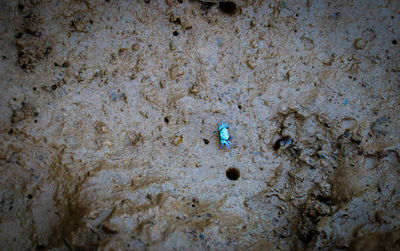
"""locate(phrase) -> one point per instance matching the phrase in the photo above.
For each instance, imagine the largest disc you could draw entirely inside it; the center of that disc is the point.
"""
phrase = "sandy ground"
(109, 125)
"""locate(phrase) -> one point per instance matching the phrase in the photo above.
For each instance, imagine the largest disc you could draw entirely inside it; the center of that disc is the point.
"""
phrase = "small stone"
(172, 46)
(122, 51)
(359, 44)
(144, 114)
(254, 44)
(162, 84)
(324, 163)
(252, 64)
(195, 89)
(176, 72)
(101, 127)
(177, 140)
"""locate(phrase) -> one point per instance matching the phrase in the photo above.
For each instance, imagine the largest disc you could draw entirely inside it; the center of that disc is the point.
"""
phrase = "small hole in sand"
(233, 173)
(227, 7)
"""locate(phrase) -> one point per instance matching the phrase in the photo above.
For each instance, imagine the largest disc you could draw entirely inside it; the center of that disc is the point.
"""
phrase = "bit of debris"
(26, 111)
(101, 127)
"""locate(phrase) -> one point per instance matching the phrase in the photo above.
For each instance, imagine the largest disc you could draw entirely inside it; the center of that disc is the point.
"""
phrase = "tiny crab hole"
(175, 33)
(227, 7)
(281, 142)
(277, 145)
(166, 119)
(206, 141)
(233, 173)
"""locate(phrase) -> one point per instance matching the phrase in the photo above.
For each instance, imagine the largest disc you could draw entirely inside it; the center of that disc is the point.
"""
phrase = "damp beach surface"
(109, 125)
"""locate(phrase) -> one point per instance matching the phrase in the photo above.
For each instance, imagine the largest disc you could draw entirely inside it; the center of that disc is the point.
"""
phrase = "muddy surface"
(109, 114)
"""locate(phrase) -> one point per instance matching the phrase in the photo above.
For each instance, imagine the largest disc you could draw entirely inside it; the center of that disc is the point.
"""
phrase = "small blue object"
(224, 134)
(114, 96)
(286, 141)
(346, 102)
(201, 236)
(384, 118)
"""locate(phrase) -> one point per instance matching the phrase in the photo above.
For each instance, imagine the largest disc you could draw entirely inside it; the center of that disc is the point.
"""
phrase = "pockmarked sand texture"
(109, 113)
